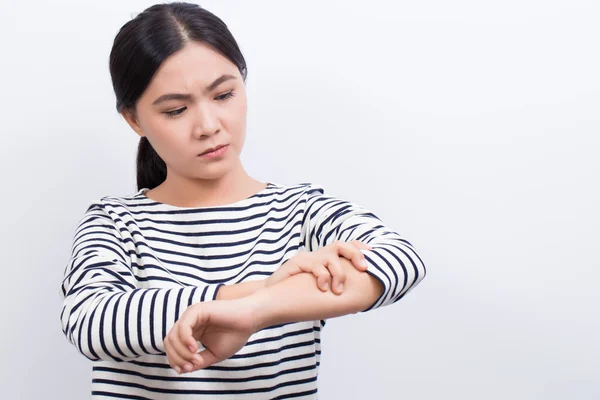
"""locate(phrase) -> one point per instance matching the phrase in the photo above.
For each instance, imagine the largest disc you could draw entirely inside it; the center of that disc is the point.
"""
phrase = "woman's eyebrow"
(180, 96)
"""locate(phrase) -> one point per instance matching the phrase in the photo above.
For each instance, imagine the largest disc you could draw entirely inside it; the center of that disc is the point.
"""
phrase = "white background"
(471, 127)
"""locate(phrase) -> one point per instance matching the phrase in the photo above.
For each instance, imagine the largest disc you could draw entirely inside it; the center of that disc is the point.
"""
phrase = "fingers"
(187, 345)
(338, 276)
(207, 358)
(353, 253)
(176, 361)
(326, 266)
(361, 245)
(180, 344)
(323, 277)
(318, 269)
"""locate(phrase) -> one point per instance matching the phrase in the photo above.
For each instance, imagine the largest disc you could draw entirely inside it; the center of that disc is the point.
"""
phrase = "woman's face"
(207, 109)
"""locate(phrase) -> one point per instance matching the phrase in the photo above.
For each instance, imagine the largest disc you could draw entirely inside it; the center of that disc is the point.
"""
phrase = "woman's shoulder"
(302, 186)
(112, 201)
(298, 189)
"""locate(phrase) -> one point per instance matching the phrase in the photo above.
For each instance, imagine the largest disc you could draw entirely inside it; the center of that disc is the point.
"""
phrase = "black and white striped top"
(136, 264)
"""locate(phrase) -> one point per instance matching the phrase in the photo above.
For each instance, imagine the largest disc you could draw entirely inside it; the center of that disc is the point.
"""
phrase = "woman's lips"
(217, 153)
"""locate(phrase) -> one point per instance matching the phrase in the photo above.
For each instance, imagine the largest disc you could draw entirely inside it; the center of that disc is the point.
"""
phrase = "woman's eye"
(175, 113)
(179, 111)
(225, 96)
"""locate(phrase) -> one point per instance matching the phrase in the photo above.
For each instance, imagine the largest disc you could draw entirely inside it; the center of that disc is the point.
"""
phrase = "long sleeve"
(392, 260)
(106, 313)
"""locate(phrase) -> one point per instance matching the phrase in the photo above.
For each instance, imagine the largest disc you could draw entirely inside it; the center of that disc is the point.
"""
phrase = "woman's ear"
(133, 122)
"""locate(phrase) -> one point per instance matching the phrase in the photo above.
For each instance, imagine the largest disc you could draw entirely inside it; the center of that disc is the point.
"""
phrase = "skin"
(208, 119)
(224, 326)
(212, 114)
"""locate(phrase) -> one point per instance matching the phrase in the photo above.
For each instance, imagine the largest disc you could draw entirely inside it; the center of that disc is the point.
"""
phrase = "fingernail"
(364, 263)
(326, 285)
(178, 369)
(191, 348)
(341, 287)
(188, 367)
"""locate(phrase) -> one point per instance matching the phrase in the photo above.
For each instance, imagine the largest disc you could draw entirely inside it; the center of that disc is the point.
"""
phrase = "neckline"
(142, 194)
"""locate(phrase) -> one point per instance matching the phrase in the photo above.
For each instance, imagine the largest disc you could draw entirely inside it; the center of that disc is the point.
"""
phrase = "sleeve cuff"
(207, 293)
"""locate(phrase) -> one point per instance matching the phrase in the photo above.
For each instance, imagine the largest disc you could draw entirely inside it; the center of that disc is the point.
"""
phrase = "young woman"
(207, 282)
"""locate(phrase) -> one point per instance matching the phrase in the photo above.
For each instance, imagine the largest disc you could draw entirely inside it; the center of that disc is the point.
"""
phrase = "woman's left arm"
(394, 268)
(392, 260)
(298, 299)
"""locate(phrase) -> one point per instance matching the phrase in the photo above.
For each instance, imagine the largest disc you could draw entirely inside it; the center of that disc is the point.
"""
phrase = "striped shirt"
(136, 264)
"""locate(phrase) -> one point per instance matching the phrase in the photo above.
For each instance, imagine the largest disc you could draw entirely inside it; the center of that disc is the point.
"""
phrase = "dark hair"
(141, 46)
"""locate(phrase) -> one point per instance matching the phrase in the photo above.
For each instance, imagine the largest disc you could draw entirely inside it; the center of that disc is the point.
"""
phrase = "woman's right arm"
(105, 314)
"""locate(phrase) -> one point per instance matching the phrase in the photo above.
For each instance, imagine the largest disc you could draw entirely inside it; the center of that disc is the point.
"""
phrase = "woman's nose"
(206, 122)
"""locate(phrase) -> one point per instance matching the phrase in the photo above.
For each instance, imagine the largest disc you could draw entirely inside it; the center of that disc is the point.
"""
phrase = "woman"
(207, 282)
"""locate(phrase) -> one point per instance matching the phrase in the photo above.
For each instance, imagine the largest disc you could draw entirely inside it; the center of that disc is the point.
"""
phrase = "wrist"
(256, 307)
(268, 281)
(263, 284)
(239, 290)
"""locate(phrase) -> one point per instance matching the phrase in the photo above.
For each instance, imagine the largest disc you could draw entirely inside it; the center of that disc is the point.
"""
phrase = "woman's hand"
(222, 326)
(324, 264)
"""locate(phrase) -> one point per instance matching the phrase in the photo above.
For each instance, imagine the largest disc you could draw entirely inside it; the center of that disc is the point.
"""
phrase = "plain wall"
(471, 127)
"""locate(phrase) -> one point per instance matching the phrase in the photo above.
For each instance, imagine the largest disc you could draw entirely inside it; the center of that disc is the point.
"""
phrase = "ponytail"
(151, 170)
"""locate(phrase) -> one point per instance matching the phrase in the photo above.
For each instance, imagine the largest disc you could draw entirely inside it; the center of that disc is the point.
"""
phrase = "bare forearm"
(239, 290)
(299, 299)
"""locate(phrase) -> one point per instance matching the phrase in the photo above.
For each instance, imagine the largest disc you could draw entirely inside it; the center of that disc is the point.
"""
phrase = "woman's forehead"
(193, 68)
